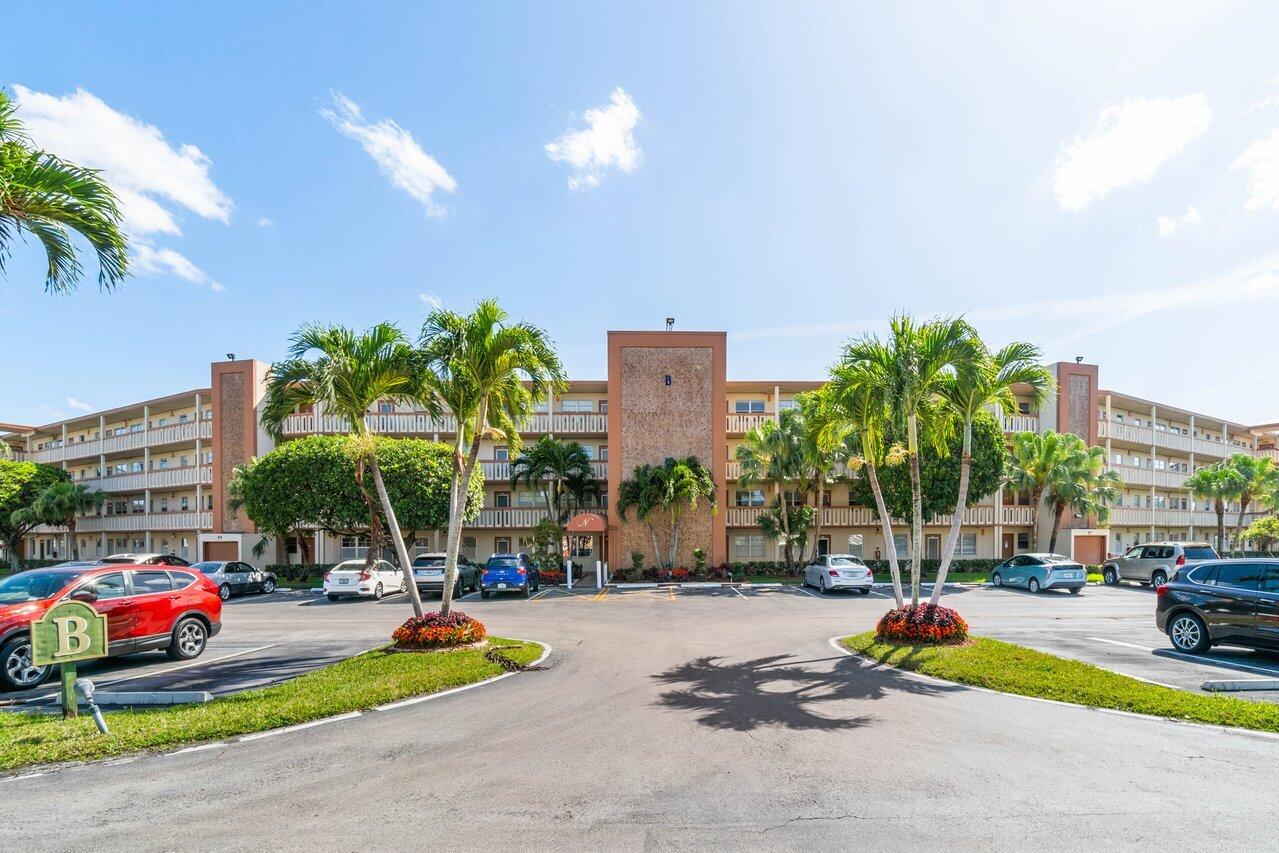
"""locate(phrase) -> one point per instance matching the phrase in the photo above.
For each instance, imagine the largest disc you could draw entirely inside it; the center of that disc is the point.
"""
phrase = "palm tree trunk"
(961, 504)
(455, 515)
(786, 544)
(401, 552)
(1036, 497)
(657, 553)
(817, 527)
(917, 509)
(890, 544)
(375, 520)
(1243, 507)
(1221, 527)
(1058, 509)
(675, 538)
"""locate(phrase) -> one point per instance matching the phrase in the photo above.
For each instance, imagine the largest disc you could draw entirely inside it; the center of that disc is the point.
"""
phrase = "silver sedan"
(839, 571)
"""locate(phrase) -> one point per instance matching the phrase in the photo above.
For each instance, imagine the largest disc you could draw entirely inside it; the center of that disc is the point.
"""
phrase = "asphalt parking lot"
(269, 638)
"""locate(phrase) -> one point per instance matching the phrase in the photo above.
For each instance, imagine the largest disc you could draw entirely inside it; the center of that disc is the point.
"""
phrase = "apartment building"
(164, 464)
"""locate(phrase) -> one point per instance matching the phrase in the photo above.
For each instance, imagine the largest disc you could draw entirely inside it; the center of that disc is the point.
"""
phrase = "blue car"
(1040, 571)
(509, 573)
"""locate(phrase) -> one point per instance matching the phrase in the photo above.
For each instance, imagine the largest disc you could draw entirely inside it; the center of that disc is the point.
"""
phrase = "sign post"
(68, 632)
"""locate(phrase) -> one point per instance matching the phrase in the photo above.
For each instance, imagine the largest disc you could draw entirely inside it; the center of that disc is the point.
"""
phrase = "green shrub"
(300, 571)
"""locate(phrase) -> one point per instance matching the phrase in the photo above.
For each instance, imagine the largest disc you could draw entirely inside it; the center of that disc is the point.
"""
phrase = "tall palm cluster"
(50, 199)
(58, 505)
(561, 471)
(662, 496)
(481, 368)
(1062, 473)
(1243, 478)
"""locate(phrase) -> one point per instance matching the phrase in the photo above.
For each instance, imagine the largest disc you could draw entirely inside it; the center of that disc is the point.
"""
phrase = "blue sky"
(1103, 182)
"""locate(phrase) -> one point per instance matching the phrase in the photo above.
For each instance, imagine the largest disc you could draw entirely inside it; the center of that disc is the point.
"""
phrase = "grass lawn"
(1016, 669)
(373, 678)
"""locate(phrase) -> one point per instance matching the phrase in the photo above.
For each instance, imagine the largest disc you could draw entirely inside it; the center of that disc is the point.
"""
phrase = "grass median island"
(362, 682)
(1009, 668)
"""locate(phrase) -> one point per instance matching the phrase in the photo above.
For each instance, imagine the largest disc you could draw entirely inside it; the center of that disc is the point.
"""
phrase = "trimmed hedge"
(300, 571)
(24, 565)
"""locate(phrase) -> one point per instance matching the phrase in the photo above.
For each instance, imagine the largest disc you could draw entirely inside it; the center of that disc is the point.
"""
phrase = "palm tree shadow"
(775, 691)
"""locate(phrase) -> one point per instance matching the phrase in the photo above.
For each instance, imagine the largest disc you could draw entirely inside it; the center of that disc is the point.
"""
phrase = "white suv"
(1155, 562)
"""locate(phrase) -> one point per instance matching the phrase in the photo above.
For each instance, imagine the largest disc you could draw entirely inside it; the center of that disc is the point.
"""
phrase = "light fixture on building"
(1079, 359)
(230, 356)
(670, 323)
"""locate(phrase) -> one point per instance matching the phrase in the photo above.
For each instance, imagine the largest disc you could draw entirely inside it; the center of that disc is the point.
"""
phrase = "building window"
(968, 544)
(753, 497)
(501, 500)
(502, 545)
(1023, 541)
(137, 506)
(1023, 408)
(385, 407)
(468, 547)
(354, 547)
(577, 405)
(902, 544)
(787, 404)
(748, 545)
(603, 407)
(589, 449)
(185, 503)
(748, 407)
(526, 499)
(603, 452)
(502, 453)
(182, 419)
(208, 457)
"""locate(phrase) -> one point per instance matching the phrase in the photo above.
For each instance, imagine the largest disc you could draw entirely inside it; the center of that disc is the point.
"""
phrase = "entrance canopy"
(587, 522)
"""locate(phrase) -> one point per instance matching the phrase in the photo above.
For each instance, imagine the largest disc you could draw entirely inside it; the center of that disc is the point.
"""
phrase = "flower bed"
(552, 577)
(434, 631)
(927, 623)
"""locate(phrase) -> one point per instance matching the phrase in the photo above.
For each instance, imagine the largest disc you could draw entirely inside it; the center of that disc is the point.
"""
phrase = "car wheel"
(1074, 590)
(997, 579)
(16, 670)
(484, 593)
(224, 592)
(378, 592)
(527, 590)
(189, 637)
(404, 586)
(331, 597)
(866, 591)
(268, 586)
(1109, 577)
(821, 587)
(1188, 633)
(1159, 578)
(1033, 585)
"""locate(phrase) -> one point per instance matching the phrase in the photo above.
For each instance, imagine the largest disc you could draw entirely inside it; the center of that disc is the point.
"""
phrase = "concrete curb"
(1240, 685)
(152, 697)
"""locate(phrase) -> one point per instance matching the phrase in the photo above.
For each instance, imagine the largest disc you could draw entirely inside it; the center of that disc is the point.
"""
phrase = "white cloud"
(1262, 103)
(1165, 225)
(81, 405)
(137, 160)
(1127, 144)
(395, 151)
(1261, 158)
(608, 140)
(265, 222)
(433, 301)
(149, 260)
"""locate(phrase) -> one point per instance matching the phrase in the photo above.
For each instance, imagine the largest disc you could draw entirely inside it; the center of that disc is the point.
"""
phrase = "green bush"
(24, 565)
(299, 572)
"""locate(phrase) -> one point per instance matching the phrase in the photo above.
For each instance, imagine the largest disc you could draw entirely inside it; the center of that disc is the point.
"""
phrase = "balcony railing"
(517, 517)
(164, 478)
(158, 437)
(859, 516)
(1020, 423)
(1147, 437)
(188, 520)
(1141, 516)
(410, 423)
(499, 472)
(738, 424)
(1134, 476)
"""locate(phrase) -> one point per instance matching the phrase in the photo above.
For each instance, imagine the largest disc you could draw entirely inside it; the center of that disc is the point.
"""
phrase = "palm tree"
(823, 435)
(555, 467)
(48, 198)
(349, 373)
(645, 493)
(915, 362)
(859, 393)
(58, 505)
(1258, 476)
(772, 453)
(687, 483)
(1081, 482)
(1218, 483)
(489, 373)
(982, 381)
(1032, 462)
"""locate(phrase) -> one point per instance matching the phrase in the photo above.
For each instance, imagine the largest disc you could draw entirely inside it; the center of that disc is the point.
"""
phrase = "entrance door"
(932, 547)
(1007, 546)
(823, 546)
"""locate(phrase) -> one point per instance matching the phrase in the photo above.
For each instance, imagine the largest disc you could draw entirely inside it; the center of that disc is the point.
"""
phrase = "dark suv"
(1223, 601)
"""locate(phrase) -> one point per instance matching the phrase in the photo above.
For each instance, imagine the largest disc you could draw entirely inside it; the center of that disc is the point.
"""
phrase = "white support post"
(568, 564)
(599, 575)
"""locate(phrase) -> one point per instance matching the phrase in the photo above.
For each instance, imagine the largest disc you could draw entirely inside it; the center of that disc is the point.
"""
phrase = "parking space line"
(805, 592)
(603, 592)
(1121, 643)
(738, 591)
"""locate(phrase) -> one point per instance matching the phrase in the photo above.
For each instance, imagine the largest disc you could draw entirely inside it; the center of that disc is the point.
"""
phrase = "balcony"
(1140, 516)
(1147, 437)
(1019, 423)
(158, 437)
(513, 517)
(860, 516)
(421, 424)
(500, 472)
(140, 521)
(739, 424)
(1134, 476)
(161, 478)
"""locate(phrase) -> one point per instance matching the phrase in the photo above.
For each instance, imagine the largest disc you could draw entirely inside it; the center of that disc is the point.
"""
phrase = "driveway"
(682, 721)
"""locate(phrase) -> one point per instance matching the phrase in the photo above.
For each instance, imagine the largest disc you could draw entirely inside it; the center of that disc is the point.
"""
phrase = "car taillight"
(1181, 559)
(365, 576)
(327, 575)
(522, 571)
(833, 573)
(1160, 590)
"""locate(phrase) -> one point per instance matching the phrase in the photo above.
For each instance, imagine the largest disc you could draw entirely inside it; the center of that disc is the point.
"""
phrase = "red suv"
(147, 607)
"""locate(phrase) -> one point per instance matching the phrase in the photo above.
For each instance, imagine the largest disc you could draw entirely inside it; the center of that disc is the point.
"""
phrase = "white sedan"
(839, 571)
(353, 578)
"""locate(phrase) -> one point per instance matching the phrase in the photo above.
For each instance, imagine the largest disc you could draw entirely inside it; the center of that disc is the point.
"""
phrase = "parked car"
(146, 559)
(352, 579)
(232, 576)
(1040, 571)
(428, 574)
(146, 608)
(509, 573)
(839, 571)
(1155, 562)
(1235, 602)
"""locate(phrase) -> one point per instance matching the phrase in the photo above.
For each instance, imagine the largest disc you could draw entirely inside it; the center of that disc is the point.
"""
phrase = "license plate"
(501, 586)
(344, 580)
(430, 573)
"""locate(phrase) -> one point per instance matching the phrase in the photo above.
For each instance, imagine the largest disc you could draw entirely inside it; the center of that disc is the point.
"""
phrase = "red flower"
(927, 623)
(435, 631)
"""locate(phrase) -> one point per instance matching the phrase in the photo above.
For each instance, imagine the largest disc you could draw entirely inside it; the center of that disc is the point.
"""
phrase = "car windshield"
(208, 568)
(1057, 558)
(429, 563)
(844, 561)
(1200, 552)
(503, 562)
(34, 585)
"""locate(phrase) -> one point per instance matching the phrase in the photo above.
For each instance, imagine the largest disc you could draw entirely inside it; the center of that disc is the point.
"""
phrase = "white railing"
(495, 471)
(412, 423)
(1134, 476)
(738, 424)
(509, 517)
(158, 437)
(163, 478)
(145, 521)
(859, 516)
